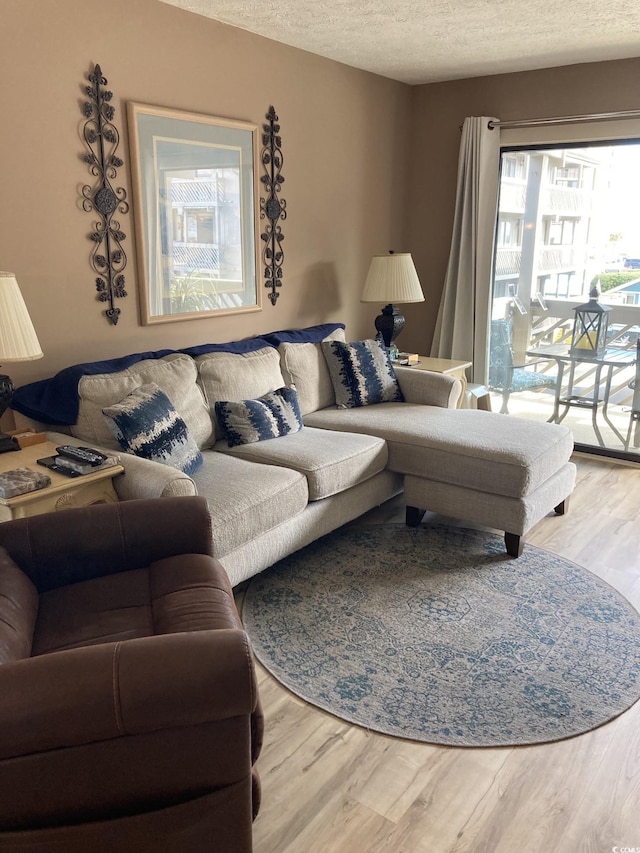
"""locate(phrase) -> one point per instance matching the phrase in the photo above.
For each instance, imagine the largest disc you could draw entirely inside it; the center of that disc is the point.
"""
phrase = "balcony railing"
(508, 261)
(188, 257)
(512, 196)
(550, 260)
(192, 193)
(562, 200)
(561, 258)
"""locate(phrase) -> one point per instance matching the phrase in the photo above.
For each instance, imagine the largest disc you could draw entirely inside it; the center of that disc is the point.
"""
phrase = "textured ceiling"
(425, 41)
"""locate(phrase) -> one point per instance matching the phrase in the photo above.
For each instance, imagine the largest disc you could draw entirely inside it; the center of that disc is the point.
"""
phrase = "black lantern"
(590, 327)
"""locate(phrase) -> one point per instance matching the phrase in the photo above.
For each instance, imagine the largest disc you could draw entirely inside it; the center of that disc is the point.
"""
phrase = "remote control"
(71, 464)
(85, 455)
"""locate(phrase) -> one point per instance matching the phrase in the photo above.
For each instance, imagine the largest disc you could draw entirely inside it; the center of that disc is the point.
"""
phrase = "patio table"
(612, 360)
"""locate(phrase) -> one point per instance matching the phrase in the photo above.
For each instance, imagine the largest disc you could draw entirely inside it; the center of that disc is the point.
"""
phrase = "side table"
(63, 493)
(450, 366)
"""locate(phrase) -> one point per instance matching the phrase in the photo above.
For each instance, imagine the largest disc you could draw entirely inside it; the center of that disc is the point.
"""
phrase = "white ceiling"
(426, 41)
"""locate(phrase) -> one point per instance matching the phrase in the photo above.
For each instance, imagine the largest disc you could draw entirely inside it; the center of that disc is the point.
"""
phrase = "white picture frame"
(196, 210)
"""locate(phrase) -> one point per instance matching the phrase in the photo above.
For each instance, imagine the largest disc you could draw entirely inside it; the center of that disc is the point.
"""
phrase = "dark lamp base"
(8, 442)
(6, 393)
(389, 323)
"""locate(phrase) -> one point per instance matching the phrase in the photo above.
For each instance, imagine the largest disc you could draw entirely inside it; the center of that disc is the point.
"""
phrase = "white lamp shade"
(18, 339)
(392, 278)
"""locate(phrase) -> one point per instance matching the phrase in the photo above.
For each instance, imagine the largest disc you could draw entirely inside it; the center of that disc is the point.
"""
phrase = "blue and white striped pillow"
(361, 373)
(273, 415)
(146, 424)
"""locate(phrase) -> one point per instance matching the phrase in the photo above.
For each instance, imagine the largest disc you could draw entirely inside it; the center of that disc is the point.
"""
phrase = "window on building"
(567, 176)
(514, 165)
(510, 231)
(559, 231)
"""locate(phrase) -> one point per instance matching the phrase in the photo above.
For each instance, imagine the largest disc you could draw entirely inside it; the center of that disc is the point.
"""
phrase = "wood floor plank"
(535, 794)
(305, 759)
(341, 825)
(330, 787)
(392, 775)
(458, 780)
(609, 813)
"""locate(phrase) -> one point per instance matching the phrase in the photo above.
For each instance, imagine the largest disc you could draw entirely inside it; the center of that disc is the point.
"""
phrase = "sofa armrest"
(116, 690)
(428, 388)
(56, 549)
(142, 478)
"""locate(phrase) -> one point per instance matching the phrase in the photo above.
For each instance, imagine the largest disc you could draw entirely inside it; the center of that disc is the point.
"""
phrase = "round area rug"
(434, 634)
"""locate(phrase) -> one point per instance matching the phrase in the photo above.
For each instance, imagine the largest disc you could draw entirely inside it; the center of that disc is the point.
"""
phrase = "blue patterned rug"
(434, 634)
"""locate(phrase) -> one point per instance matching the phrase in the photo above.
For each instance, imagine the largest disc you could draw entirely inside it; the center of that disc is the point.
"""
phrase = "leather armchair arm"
(56, 549)
(428, 388)
(97, 693)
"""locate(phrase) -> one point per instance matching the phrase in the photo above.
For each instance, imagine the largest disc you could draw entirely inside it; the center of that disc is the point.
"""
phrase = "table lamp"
(393, 279)
(18, 342)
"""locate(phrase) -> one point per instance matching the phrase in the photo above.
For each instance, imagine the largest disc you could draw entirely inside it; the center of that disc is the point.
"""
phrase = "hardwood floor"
(330, 787)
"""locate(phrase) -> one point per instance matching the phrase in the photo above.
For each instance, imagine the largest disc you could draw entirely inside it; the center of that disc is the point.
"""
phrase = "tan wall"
(438, 112)
(344, 133)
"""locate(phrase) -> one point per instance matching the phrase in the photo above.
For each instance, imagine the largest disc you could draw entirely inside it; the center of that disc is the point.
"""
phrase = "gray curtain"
(463, 319)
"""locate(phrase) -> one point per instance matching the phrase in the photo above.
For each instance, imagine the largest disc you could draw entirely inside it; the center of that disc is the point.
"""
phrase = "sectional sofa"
(270, 496)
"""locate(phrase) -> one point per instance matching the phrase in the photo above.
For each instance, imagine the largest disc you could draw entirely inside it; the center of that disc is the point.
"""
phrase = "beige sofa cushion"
(247, 499)
(305, 366)
(331, 461)
(238, 376)
(175, 374)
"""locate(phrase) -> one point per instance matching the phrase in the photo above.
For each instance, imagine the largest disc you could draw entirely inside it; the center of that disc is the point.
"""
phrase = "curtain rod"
(536, 122)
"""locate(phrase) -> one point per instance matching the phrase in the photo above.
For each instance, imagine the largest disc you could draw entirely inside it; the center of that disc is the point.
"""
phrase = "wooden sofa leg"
(562, 508)
(514, 544)
(413, 516)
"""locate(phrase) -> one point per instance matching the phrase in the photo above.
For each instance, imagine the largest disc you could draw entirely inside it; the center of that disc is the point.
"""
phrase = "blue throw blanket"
(55, 400)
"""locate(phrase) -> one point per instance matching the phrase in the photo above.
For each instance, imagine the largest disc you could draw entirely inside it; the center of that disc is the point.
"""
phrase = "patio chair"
(505, 376)
(634, 415)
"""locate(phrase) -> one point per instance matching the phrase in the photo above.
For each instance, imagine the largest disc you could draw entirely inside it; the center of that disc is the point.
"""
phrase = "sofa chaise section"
(506, 473)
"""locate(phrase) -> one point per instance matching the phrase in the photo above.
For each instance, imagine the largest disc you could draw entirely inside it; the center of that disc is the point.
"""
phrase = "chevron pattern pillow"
(273, 415)
(146, 424)
(362, 373)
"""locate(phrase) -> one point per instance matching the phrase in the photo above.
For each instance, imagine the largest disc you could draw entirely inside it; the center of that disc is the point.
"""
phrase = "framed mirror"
(196, 213)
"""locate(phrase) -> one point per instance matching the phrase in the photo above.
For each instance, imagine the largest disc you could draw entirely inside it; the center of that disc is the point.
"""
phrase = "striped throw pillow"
(273, 415)
(362, 373)
(146, 424)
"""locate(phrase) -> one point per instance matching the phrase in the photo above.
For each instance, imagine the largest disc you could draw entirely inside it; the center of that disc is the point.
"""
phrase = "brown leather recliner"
(129, 712)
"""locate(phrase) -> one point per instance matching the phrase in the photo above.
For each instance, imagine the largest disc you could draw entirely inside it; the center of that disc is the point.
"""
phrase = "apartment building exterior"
(550, 231)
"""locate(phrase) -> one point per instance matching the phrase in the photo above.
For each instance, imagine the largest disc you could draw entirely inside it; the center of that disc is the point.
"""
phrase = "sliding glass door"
(568, 236)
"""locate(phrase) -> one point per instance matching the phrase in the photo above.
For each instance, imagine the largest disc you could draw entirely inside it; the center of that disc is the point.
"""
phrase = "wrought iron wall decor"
(102, 139)
(273, 207)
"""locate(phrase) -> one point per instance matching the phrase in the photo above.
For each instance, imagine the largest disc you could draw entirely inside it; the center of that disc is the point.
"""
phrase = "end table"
(451, 367)
(63, 493)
